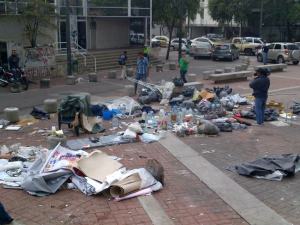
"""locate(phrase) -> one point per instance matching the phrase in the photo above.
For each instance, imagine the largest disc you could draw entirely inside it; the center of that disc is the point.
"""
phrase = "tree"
(36, 16)
(173, 14)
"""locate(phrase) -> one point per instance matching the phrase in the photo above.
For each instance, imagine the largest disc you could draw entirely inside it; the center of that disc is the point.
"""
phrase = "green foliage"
(221, 10)
(173, 13)
(36, 16)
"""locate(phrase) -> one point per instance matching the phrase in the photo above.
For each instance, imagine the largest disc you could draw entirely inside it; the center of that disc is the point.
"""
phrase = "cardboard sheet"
(129, 184)
(98, 165)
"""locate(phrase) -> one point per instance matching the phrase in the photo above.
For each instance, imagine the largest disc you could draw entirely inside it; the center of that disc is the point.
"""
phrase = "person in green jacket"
(183, 65)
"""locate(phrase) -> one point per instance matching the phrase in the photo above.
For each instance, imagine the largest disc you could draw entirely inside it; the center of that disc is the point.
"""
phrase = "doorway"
(3, 54)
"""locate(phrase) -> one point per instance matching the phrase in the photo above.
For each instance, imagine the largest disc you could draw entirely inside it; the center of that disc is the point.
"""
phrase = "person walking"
(183, 65)
(122, 63)
(265, 51)
(141, 69)
(260, 86)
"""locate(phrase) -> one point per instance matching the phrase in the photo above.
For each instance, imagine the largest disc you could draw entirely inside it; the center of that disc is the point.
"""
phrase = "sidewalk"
(184, 199)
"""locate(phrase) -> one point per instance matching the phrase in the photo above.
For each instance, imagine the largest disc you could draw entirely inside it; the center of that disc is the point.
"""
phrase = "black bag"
(178, 82)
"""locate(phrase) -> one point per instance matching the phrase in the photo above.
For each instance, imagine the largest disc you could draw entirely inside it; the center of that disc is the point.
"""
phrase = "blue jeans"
(260, 105)
(182, 75)
(4, 217)
(265, 58)
(141, 77)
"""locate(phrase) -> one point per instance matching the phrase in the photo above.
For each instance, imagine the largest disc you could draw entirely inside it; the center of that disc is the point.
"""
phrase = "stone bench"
(12, 114)
(112, 74)
(240, 75)
(71, 80)
(272, 67)
(93, 77)
(159, 68)
(45, 83)
(50, 105)
(196, 85)
(172, 66)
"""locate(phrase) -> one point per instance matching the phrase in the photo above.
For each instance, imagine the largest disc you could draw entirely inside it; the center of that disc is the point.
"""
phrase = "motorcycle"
(16, 78)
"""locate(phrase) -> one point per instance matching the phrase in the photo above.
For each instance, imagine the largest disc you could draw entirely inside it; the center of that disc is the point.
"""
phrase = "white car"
(201, 49)
(175, 44)
(160, 41)
(202, 39)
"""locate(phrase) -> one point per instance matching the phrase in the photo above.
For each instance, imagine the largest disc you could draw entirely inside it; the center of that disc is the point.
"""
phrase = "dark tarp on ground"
(271, 168)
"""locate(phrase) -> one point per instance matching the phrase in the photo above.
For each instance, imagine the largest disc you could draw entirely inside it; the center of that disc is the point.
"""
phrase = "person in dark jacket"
(14, 60)
(122, 63)
(260, 86)
(4, 217)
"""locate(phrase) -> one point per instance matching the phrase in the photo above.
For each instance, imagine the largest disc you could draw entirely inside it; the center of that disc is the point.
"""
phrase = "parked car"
(248, 45)
(161, 41)
(202, 39)
(225, 51)
(201, 49)
(282, 53)
(298, 44)
(137, 39)
(175, 44)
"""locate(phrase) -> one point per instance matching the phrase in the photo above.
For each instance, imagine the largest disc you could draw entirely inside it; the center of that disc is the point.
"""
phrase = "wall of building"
(12, 30)
(109, 33)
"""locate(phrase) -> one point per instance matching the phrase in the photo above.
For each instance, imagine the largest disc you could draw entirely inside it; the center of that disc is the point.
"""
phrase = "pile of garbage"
(41, 172)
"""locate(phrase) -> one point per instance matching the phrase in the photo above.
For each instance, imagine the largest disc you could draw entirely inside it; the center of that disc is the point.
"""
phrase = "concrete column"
(151, 31)
(129, 8)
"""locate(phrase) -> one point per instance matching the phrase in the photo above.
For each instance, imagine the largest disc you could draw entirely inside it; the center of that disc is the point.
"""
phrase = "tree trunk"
(170, 29)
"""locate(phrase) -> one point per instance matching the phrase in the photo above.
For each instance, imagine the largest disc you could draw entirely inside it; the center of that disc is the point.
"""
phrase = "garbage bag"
(39, 114)
(271, 168)
(178, 82)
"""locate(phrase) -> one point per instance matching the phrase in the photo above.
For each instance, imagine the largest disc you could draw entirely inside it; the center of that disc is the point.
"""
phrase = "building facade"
(95, 24)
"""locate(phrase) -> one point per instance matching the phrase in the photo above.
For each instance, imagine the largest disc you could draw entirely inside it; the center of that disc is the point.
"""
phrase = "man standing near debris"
(183, 65)
(141, 69)
(122, 63)
(260, 86)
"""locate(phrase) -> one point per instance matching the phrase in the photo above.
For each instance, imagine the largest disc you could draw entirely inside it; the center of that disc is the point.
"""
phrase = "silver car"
(282, 53)
(175, 44)
(200, 49)
(225, 51)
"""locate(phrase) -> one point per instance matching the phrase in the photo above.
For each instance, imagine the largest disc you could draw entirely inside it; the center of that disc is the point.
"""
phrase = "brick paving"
(185, 199)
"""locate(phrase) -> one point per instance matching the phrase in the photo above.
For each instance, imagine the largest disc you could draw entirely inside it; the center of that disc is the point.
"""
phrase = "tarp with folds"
(41, 184)
(270, 168)
(71, 104)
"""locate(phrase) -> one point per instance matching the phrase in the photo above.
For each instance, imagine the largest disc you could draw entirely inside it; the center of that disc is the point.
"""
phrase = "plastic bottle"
(115, 122)
(144, 116)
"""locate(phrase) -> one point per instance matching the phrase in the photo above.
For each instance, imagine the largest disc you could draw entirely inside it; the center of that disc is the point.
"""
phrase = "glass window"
(2, 8)
(249, 40)
(277, 46)
(257, 41)
(140, 3)
(222, 47)
(237, 41)
(292, 47)
(108, 3)
(271, 46)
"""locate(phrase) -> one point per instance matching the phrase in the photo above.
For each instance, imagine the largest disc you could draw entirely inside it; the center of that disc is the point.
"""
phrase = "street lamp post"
(261, 17)
(68, 39)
